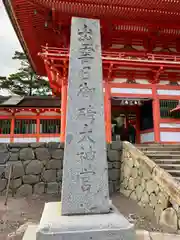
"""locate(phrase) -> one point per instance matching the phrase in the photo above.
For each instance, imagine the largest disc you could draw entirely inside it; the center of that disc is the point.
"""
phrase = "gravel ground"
(22, 210)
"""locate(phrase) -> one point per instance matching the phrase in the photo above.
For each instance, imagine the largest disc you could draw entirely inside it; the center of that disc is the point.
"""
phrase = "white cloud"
(8, 44)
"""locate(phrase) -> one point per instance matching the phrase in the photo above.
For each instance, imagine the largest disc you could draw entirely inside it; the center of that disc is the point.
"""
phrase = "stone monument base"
(111, 226)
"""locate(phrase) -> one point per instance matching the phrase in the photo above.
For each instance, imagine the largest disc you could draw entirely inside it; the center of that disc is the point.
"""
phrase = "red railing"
(60, 53)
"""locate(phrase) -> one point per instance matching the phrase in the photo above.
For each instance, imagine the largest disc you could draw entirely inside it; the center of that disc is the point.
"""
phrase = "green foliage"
(25, 82)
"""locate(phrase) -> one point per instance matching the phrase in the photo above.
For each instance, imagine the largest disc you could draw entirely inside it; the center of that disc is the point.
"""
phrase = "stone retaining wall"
(37, 167)
(152, 187)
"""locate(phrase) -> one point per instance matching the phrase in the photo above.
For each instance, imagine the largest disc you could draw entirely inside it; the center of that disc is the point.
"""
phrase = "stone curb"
(145, 235)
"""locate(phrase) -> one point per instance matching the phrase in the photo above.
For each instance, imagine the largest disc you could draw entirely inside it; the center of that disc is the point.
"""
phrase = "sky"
(8, 44)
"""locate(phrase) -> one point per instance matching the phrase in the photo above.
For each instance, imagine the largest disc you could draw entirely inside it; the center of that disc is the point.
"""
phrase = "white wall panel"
(169, 125)
(24, 140)
(170, 136)
(131, 90)
(147, 137)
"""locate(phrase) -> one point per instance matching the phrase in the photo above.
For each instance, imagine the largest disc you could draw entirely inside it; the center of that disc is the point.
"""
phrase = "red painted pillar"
(63, 109)
(12, 129)
(107, 107)
(156, 114)
(38, 128)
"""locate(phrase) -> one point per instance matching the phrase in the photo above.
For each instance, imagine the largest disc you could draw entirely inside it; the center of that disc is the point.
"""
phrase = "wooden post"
(38, 127)
(156, 114)
(63, 109)
(12, 127)
(107, 106)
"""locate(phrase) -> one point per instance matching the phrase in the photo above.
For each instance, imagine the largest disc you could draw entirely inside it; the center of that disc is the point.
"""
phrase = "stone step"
(174, 172)
(30, 233)
(169, 166)
(159, 149)
(177, 179)
(167, 161)
(163, 156)
(157, 145)
(170, 152)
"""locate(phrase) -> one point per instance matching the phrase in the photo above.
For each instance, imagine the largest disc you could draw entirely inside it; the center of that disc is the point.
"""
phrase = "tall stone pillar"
(86, 212)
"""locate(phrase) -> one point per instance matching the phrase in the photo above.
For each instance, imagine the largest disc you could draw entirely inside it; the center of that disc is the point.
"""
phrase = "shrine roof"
(38, 22)
(34, 102)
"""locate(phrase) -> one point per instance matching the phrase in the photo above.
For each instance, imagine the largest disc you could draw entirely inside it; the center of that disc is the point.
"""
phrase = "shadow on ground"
(22, 210)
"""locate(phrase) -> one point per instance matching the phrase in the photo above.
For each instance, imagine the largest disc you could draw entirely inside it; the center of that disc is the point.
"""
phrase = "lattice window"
(50, 126)
(5, 126)
(25, 126)
(165, 109)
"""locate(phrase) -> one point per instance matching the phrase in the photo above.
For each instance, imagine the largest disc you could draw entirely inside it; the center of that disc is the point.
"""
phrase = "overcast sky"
(8, 44)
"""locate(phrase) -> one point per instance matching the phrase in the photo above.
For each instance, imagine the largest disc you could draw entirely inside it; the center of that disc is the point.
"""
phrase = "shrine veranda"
(141, 67)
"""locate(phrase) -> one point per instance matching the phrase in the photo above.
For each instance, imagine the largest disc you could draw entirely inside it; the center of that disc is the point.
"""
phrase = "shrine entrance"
(128, 118)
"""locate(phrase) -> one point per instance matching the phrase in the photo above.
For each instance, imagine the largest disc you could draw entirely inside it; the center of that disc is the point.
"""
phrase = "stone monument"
(86, 212)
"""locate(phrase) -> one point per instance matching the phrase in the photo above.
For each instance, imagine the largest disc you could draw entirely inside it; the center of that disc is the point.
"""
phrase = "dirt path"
(20, 210)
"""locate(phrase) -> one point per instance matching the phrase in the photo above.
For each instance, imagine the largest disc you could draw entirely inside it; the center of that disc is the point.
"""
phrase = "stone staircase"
(167, 156)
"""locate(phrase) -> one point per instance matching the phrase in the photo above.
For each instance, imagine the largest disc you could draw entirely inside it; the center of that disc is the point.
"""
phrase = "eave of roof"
(17, 30)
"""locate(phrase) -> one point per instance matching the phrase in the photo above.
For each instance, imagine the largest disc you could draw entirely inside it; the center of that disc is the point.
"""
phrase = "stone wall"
(37, 167)
(152, 187)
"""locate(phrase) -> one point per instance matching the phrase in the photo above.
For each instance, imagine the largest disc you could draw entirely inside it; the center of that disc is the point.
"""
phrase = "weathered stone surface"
(110, 165)
(25, 163)
(52, 187)
(49, 175)
(130, 162)
(157, 212)
(37, 145)
(131, 184)
(15, 183)
(116, 164)
(145, 172)
(3, 147)
(30, 179)
(85, 136)
(26, 154)
(126, 192)
(111, 187)
(14, 157)
(42, 154)
(3, 183)
(55, 145)
(34, 167)
(58, 154)
(127, 171)
(113, 155)
(18, 145)
(116, 145)
(114, 174)
(54, 164)
(4, 157)
(59, 175)
(134, 172)
(39, 188)
(152, 186)
(145, 197)
(169, 219)
(133, 196)
(139, 192)
(14, 150)
(163, 199)
(153, 199)
(24, 190)
(18, 170)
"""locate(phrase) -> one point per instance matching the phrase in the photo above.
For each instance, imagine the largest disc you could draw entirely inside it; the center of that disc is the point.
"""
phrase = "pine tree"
(25, 82)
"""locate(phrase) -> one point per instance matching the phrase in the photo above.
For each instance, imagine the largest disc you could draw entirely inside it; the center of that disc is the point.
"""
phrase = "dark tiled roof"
(34, 101)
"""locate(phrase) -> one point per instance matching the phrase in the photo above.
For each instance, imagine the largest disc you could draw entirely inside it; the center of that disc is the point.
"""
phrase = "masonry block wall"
(38, 167)
(150, 186)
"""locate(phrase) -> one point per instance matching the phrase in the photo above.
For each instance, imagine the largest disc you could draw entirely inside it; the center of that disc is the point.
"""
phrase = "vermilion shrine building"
(141, 66)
